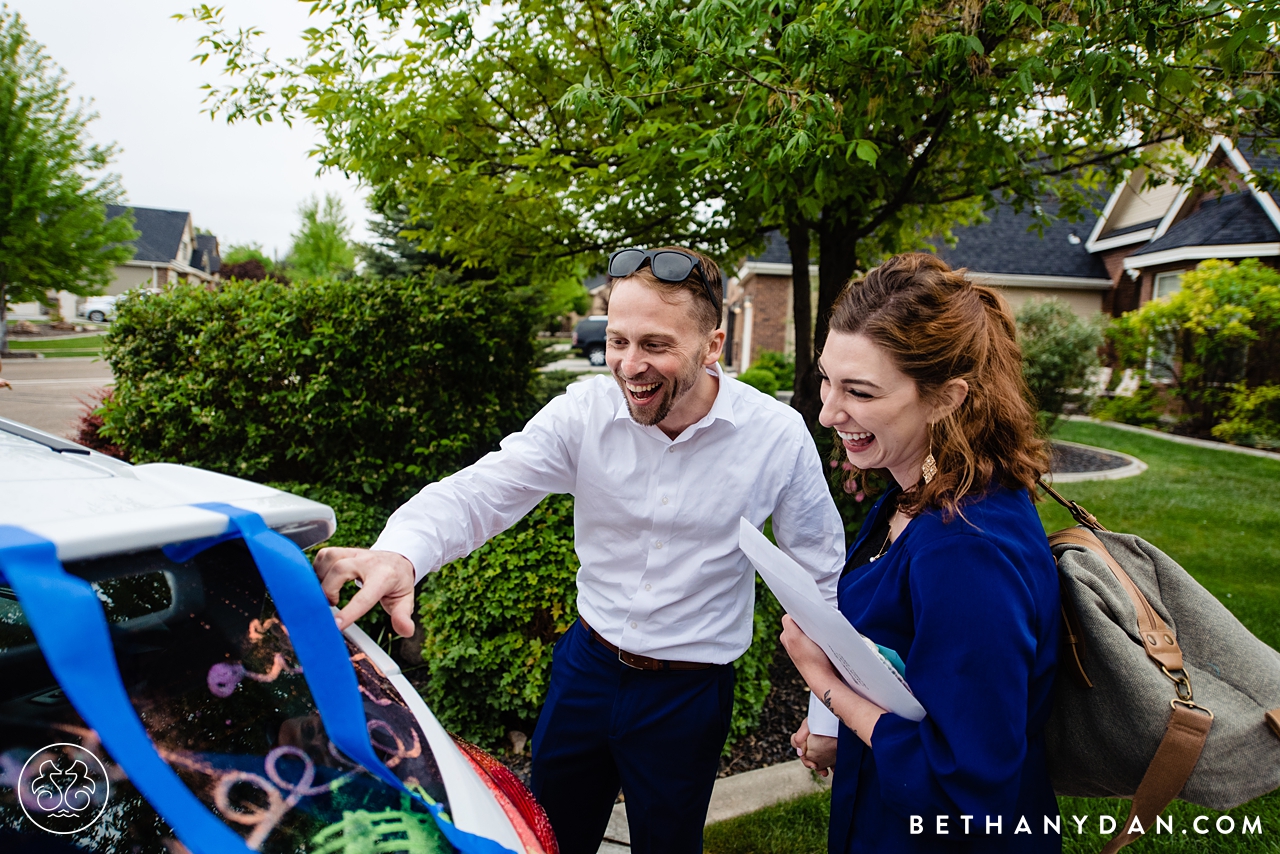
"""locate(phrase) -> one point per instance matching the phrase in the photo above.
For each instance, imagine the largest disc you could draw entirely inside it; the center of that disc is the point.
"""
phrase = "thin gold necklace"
(884, 548)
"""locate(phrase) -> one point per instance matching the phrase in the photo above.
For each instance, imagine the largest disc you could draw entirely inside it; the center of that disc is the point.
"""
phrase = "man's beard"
(672, 390)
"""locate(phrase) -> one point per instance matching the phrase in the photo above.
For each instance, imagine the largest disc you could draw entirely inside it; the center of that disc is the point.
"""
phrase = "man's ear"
(950, 396)
(715, 347)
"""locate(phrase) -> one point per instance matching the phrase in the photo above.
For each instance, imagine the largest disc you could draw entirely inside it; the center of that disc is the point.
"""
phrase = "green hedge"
(373, 387)
(491, 619)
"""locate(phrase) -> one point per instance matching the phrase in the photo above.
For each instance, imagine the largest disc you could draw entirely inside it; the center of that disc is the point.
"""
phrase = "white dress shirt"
(655, 518)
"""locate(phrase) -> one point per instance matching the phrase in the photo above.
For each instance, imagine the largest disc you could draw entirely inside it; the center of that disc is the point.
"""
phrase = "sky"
(243, 182)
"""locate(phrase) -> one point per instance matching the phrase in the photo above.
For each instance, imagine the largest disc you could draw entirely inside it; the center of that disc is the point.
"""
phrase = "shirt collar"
(721, 408)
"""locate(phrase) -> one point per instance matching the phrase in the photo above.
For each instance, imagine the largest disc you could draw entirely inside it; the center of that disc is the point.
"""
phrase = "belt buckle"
(623, 655)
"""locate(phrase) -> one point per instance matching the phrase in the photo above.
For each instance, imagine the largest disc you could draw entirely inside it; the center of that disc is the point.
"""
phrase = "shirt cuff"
(409, 547)
(821, 719)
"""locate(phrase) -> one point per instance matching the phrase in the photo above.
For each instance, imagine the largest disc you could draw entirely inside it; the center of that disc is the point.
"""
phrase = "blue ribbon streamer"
(67, 619)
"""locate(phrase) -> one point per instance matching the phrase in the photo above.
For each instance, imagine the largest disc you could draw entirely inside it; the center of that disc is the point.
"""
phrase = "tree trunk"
(805, 400)
(837, 261)
(4, 324)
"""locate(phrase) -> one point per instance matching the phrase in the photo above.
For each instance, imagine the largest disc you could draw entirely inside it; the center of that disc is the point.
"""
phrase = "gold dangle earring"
(930, 468)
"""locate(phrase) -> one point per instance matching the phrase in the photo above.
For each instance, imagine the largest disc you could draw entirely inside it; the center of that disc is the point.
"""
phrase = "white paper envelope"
(859, 664)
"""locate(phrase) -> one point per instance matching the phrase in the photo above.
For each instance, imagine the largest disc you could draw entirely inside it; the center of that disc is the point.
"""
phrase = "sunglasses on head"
(668, 265)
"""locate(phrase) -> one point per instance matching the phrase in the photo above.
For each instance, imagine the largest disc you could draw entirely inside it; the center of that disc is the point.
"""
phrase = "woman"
(922, 380)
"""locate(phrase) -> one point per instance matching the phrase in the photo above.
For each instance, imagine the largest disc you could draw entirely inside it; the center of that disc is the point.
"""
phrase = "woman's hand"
(858, 714)
(807, 656)
(817, 752)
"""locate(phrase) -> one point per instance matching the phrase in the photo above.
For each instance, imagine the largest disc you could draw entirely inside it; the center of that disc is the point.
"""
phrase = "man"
(662, 459)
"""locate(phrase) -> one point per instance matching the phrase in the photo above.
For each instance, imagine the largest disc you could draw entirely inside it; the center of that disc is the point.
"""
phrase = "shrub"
(89, 425)
(760, 378)
(1058, 349)
(782, 367)
(1145, 408)
(491, 619)
(1220, 329)
(1253, 417)
(373, 387)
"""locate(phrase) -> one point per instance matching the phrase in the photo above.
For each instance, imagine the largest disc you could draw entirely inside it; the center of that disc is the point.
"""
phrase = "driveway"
(49, 394)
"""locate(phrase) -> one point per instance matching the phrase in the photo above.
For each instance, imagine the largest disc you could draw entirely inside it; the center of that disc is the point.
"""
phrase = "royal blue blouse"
(972, 607)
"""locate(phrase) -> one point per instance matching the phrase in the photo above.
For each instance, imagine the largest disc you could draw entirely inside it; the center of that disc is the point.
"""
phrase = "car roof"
(92, 505)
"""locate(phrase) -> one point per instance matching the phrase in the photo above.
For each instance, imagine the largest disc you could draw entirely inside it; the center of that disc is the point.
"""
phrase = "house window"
(1167, 284)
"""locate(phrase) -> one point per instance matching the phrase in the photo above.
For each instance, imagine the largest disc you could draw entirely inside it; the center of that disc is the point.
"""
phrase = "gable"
(159, 232)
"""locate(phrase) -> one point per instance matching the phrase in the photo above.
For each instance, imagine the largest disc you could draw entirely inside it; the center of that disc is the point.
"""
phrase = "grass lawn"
(1218, 514)
(79, 345)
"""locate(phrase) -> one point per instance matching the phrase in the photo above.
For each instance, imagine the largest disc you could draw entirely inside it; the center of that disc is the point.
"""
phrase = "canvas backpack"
(1161, 693)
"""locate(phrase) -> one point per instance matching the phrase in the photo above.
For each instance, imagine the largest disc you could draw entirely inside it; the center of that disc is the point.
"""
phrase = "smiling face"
(876, 408)
(659, 353)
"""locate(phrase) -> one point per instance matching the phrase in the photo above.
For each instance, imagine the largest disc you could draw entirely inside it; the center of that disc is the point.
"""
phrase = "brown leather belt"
(643, 662)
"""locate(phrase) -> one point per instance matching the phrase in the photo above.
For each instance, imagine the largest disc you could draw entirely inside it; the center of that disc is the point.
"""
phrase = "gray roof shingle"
(206, 256)
(160, 232)
(775, 251)
(1231, 219)
(1003, 244)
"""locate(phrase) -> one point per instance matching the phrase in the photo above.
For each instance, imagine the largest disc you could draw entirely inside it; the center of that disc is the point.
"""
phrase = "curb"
(732, 796)
(1181, 440)
(1134, 467)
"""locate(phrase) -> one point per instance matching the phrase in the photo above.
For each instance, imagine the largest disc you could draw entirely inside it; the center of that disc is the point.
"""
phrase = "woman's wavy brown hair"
(937, 325)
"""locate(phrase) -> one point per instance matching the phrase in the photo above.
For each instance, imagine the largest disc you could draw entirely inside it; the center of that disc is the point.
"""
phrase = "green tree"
(539, 136)
(54, 231)
(322, 247)
(1219, 333)
(238, 253)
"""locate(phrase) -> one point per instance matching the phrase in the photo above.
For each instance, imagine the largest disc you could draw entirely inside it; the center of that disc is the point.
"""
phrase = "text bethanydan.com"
(966, 825)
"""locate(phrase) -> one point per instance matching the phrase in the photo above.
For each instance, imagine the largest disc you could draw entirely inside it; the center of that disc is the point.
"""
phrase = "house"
(758, 304)
(168, 249)
(1133, 249)
(1149, 237)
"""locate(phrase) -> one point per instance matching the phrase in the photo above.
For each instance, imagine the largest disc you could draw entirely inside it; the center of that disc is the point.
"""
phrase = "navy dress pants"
(656, 735)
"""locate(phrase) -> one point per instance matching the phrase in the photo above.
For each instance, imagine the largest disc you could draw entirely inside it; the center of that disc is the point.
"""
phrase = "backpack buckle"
(1173, 704)
(1182, 684)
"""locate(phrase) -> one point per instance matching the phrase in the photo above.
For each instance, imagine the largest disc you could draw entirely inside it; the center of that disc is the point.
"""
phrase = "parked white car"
(214, 677)
(100, 308)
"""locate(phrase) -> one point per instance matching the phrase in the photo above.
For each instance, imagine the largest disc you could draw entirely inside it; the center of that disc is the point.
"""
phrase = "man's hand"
(817, 752)
(385, 577)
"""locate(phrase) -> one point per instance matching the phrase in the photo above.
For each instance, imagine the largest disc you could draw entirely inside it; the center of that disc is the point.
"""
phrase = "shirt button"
(648, 587)
(671, 450)
(664, 499)
(634, 624)
(658, 544)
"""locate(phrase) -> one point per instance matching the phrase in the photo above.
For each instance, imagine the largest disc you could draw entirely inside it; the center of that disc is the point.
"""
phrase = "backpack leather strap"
(1168, 772)
(1158, 639)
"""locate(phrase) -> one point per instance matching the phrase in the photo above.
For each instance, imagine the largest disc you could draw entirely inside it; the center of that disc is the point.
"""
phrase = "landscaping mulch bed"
(784, 710)
(1074, 458)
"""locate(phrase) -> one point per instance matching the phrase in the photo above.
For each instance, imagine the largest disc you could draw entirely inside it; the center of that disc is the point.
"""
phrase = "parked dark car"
(588, 338)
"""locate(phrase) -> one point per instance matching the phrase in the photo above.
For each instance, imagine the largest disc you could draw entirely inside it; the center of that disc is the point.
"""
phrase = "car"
(99, 308)
(588, 338)
(213, 675)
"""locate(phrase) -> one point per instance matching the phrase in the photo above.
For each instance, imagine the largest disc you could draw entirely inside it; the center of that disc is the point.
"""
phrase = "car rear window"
(214, 678)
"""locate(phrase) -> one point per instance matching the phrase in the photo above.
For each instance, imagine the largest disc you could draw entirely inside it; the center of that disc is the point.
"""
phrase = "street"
(49, 394)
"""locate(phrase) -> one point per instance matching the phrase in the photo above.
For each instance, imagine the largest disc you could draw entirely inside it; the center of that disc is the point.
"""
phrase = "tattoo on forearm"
(826, 701)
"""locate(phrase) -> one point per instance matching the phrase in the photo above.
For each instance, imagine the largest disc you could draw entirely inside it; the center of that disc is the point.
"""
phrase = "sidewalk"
(733, 796)
(49, 394)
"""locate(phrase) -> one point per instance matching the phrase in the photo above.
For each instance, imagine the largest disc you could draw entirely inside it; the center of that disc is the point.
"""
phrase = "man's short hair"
(706, 299)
